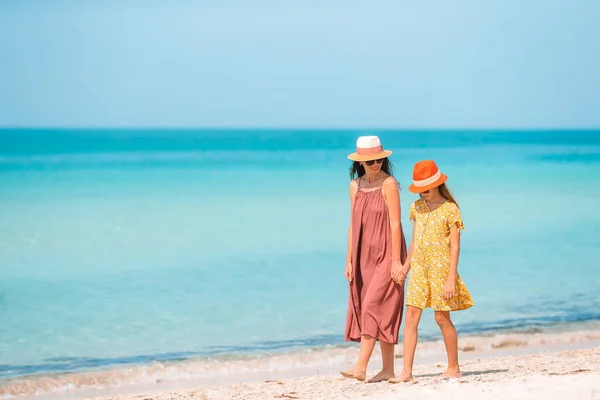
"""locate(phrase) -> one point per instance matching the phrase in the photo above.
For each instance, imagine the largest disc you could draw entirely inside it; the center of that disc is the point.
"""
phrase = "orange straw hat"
(426, 175)
(369, 148)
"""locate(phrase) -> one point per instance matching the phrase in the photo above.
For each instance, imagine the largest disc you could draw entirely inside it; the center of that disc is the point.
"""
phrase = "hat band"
(428, 181)
(362, 151)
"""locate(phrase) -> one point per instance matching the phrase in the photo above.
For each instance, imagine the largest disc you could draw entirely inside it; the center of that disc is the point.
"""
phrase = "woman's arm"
(392, 198)
(348, 270)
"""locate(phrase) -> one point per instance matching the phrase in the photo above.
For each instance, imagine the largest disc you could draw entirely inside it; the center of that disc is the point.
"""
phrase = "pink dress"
(375, 303)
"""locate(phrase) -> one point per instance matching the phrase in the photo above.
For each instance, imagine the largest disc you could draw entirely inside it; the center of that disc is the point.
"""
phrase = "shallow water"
(122, 248)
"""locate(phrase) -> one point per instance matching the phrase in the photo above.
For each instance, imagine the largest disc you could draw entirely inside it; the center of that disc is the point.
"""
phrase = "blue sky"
(309, 63)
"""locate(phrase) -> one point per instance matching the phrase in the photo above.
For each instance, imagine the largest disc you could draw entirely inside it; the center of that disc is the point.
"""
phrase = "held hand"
(348, 272)
(449, 289)
(397, 273)
(406, 268)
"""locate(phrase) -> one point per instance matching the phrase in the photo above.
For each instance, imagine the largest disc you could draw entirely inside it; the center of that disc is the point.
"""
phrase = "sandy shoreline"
(544, 362)
(573, 374)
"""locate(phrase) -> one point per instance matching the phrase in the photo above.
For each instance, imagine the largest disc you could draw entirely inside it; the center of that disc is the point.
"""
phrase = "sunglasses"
(371, 162)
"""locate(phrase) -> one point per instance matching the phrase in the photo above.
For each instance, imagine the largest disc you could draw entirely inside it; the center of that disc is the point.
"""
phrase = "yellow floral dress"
(430, 260)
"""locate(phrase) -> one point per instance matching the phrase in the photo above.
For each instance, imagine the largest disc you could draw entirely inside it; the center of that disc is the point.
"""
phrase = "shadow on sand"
(469, 373)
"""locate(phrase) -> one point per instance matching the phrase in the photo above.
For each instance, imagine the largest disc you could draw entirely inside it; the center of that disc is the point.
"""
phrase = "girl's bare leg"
(451, 341)
(411, 333)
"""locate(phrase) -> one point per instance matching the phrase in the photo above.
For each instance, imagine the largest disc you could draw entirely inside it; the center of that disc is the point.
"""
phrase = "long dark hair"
(357, 170)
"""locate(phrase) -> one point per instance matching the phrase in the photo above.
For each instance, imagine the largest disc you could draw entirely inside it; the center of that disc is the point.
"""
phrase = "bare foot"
(403, 377)
(452, 373)
(354, 373)
(381, 376)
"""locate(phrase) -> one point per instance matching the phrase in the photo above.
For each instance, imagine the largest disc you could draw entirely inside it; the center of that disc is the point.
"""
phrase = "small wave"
(219, 353)
(211, 371)
(561, 316)
(201, 371)
(266, 349)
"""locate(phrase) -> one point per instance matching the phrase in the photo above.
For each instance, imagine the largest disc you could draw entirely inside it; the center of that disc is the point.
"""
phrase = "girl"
(433, 261)
(376, 251)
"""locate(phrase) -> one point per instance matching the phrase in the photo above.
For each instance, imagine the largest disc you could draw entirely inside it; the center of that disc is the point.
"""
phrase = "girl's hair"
(357, 170)
(445, 192)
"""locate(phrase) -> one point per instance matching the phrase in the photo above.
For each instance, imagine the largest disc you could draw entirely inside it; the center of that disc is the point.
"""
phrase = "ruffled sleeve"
(411, 213)
(453, 217)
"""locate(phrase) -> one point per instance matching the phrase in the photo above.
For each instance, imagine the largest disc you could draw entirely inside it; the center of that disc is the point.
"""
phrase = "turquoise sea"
(126, 247)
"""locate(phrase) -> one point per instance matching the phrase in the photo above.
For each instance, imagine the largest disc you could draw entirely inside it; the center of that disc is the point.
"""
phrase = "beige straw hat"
(369, 148)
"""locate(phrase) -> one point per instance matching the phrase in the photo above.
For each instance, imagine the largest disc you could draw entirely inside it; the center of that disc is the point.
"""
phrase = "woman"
(376, 252)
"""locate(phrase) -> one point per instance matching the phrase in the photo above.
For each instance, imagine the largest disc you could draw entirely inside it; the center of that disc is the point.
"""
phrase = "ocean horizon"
(143, 246)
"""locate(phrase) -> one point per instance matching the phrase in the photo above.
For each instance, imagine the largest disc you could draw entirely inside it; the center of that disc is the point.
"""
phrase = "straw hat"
(369, 148)
(426, 175)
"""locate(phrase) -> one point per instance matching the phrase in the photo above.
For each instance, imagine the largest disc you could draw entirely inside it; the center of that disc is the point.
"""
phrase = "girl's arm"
(406, 266)
(348, 270)
(454, 253)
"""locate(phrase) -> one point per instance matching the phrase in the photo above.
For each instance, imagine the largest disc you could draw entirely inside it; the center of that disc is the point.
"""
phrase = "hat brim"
(369, 157)
(421, 189)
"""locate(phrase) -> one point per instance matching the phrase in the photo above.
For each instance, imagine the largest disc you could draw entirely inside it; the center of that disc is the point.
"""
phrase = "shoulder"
(453, 217)
(418, 205)
(390, 185)
(416, 208)
(452, 208)
(389, 181)
(353, 188)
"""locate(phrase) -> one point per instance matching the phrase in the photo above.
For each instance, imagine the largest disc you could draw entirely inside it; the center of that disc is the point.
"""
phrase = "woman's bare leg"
(367, 344)
(387, 356)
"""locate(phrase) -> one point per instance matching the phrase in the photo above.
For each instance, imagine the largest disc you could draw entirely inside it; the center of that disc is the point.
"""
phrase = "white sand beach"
(573, 374)
(549, 365)
(532, 366)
